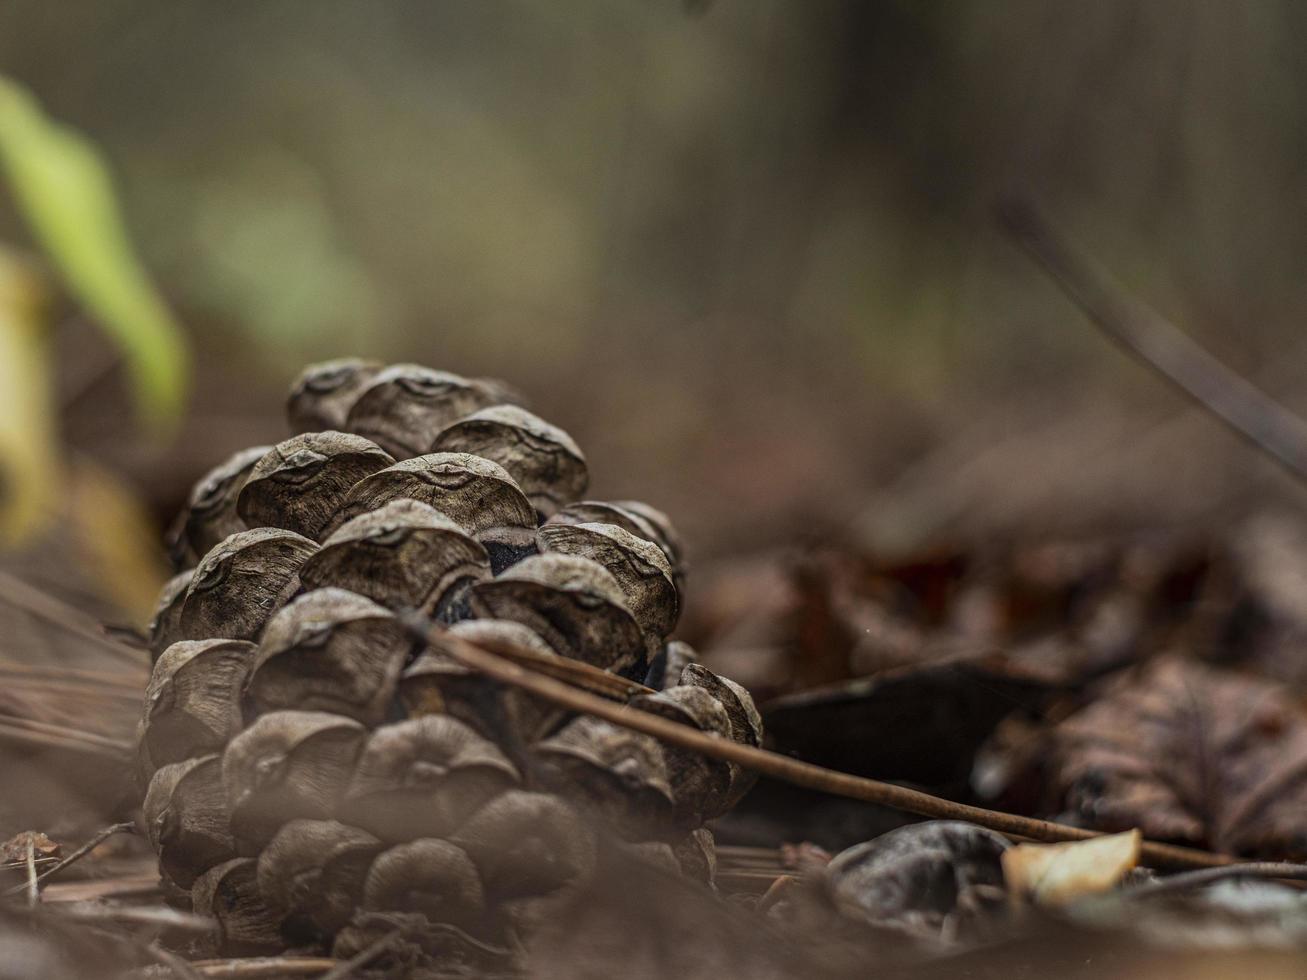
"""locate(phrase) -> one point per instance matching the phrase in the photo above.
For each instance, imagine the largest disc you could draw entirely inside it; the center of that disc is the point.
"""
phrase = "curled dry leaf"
(1192, 754)
(544, 460)
(1055, 874)
(323, 394)
(928, 879)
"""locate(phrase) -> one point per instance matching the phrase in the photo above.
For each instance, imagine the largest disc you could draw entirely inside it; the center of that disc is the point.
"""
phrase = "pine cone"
(315, 777)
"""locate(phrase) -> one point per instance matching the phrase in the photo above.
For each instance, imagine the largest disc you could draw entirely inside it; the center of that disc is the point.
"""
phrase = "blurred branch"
(1150, 337)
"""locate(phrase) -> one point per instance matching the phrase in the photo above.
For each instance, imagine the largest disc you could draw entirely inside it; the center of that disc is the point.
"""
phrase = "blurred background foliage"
(742, 251)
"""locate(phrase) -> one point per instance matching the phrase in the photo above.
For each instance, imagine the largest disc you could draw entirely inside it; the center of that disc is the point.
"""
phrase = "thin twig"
(65, 732)
(72, 676)
(265, 967)
(148, 915)
(23, 736)
(85, 849)
(773, 764)
(57, 612)
(1150, 337)
(33, 888)
(1205, 876)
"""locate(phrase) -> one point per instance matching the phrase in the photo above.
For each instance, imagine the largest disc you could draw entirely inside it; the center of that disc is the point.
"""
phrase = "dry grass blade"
(778, 766)
(265, 967)
(30, 599)
(1275, 870)
(160, 916)
(32, 887)
(20, 731)
(1159, 344)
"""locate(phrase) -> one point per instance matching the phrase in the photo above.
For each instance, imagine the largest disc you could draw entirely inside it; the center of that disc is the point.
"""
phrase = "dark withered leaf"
(1189, 753)
(920, 723)
(928, 879)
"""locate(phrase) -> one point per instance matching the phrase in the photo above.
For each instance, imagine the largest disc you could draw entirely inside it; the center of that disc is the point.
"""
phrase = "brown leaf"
(1055, 874)
(1188, 753)
(15, 848)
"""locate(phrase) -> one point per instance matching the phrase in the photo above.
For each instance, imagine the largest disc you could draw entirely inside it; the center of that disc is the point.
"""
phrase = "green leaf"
(29, 483)
(64, 191)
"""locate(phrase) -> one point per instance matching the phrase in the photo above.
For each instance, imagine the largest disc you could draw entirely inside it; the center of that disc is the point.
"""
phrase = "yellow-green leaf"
(28, 468)
(64, 191)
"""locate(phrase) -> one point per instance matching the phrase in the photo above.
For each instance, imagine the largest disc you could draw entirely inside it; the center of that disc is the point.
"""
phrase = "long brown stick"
(773, 764)
(1158, 343)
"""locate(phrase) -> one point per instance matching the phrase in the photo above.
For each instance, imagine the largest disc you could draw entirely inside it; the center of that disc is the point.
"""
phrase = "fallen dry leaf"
(1055, 874)
(1193, 754)
(928, 879)
(15, 849)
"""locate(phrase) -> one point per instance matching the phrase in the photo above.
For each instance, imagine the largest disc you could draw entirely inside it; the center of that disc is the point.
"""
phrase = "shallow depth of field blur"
(743, 251)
